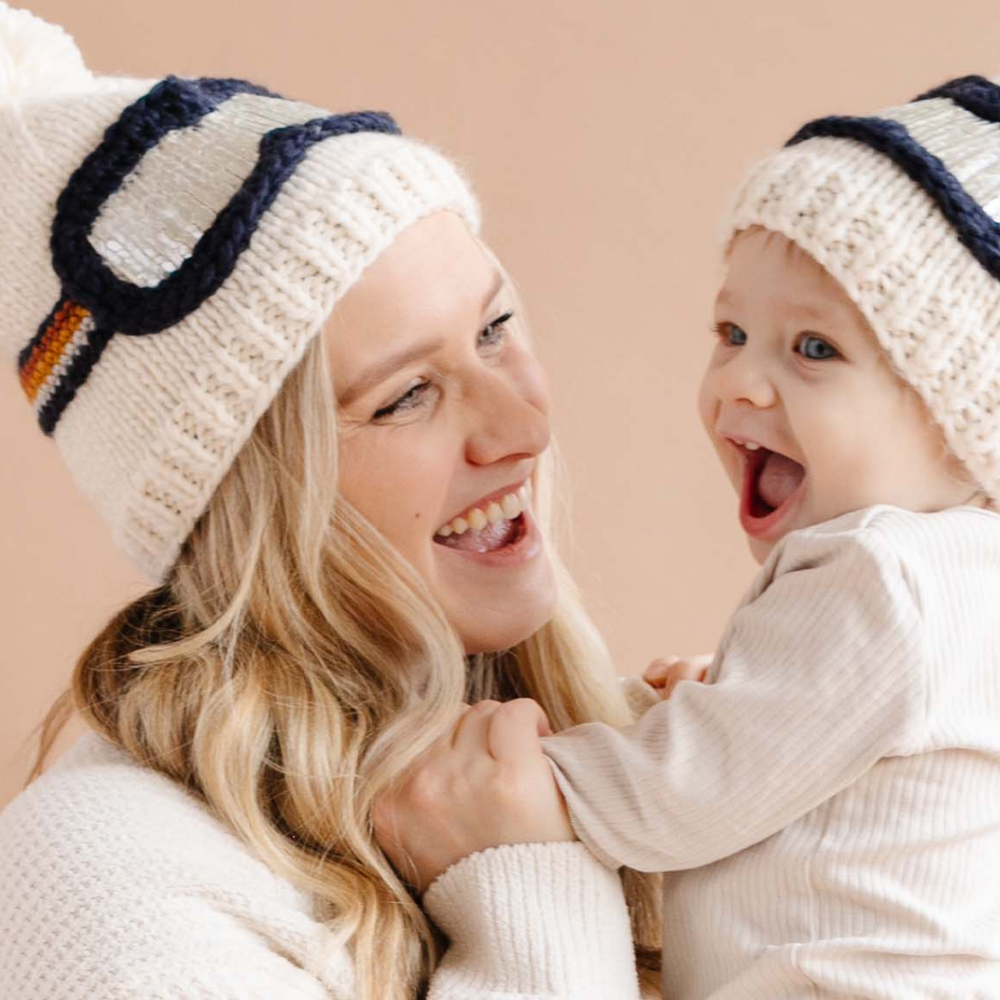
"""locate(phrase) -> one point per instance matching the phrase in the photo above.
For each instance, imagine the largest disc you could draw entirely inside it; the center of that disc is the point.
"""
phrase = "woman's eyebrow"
(371, 376)
(495, 286)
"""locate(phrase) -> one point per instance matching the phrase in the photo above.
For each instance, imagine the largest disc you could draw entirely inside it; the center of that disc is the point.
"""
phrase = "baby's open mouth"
(771, 480)
(494, 526)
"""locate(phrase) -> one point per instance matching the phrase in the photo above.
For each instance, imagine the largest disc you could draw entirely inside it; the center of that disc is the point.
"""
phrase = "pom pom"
(37, 59)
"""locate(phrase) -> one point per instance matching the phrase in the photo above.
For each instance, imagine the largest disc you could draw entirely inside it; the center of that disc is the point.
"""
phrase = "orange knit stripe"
(49, 349)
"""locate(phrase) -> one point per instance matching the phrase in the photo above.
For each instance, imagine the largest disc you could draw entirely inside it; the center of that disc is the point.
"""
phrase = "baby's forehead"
(770, 242)
(759, 256)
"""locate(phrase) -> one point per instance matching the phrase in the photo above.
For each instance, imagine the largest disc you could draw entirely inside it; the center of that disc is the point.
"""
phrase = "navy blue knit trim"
(75, 376)
(976, 94)
(172, 104)
(974, 228)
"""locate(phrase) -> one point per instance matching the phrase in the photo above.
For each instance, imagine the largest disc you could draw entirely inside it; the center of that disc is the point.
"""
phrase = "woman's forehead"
(434, 267)
(435, 281)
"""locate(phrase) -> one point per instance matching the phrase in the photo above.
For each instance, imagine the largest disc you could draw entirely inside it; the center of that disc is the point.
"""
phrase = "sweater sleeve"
(820, 673)
(532, 922)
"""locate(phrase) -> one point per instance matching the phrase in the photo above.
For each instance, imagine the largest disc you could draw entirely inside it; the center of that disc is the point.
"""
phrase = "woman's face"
(444, 412)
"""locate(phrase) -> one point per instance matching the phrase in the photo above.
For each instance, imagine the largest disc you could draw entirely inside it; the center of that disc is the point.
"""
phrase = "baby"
(826, 806)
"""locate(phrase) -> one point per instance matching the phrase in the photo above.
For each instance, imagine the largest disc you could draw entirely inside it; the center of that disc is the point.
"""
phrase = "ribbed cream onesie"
(827, 806)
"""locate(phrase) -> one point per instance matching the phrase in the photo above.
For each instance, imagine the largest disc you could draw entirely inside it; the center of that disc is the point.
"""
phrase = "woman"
(274, 354)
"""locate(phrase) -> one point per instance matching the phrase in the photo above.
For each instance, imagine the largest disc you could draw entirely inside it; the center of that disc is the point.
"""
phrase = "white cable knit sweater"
(118, 884)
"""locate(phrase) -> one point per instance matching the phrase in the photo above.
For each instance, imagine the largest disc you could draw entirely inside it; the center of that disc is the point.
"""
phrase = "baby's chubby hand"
(486, 784)
(666, 673)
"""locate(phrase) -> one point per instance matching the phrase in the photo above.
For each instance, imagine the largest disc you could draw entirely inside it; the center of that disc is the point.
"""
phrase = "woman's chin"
(482, 638)
(496, 600)
(502, 619)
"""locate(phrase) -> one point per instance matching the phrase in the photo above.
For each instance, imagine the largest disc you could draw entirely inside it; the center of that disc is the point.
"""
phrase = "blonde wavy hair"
(294, 665)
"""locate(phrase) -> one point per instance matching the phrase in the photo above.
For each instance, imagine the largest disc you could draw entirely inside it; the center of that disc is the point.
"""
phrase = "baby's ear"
(640, 696)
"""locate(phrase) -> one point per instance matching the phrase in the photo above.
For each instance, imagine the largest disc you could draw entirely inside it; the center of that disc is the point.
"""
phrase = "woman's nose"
(508, 420)
(743, 379)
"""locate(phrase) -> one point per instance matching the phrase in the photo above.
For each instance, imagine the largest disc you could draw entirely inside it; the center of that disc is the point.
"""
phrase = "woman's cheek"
(416, 473)
(378, 475)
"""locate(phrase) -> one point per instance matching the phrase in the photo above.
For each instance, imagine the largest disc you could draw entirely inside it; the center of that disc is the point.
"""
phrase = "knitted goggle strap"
(97, 301)
(977, 96)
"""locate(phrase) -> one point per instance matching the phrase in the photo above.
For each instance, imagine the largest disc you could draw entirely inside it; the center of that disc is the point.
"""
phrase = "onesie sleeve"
(532, 922)
(641, 697)
(821, 672)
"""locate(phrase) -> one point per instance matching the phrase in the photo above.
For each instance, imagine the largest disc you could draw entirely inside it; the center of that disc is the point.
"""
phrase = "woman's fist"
(487, 784)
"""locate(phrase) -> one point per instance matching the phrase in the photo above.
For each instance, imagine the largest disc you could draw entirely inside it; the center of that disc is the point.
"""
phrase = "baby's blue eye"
(731, 334)
(817, 349)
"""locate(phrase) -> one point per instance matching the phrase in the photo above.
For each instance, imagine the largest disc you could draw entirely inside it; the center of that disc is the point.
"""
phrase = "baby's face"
(802, 406)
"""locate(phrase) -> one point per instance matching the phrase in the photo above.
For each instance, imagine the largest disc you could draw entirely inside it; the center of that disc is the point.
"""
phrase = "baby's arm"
(658, 681)
(820, 675)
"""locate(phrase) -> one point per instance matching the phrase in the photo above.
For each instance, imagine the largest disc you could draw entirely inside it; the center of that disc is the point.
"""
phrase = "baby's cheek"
(707, 405)
(840, 483)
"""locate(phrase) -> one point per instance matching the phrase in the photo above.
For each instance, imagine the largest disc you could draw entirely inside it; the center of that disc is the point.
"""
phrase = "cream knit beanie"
(168, 248)
(903, 209)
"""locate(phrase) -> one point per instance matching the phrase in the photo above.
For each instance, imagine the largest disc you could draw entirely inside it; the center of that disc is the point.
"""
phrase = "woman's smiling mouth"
(496, 522)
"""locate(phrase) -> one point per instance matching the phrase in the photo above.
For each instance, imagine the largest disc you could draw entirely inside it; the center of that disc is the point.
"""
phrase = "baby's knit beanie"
(168, 248)
(903, 209)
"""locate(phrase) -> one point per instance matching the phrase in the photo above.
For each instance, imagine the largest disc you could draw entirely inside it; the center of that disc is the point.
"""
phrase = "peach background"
(604, 140)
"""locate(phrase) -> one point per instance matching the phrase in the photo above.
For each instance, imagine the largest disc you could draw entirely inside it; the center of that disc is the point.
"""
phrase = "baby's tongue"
(778, 479)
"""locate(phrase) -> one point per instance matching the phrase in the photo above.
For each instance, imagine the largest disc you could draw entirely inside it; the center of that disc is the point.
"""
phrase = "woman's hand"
(486, 785)
(666, 674)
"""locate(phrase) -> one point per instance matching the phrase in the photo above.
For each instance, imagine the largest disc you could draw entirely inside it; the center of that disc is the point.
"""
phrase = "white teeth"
(751, 446)
(510, 506)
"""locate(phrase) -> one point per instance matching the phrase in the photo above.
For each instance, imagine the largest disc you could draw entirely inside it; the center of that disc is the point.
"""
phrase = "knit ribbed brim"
(169, 249)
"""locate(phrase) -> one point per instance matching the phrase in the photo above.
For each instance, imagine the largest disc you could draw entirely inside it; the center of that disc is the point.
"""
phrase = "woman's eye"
(731, 334)
(410, 400)
(816, 348)
(493, 334)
